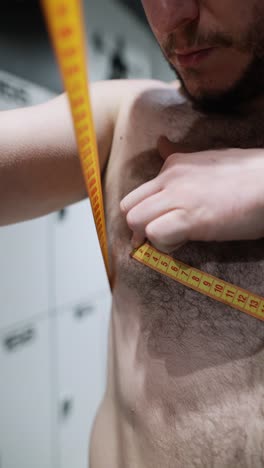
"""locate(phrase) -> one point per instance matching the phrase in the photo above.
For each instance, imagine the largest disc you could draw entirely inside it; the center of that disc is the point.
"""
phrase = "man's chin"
(211, 100)
(244, 90)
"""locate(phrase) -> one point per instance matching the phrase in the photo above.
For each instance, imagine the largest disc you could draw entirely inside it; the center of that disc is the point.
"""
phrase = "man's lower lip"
(195, 58)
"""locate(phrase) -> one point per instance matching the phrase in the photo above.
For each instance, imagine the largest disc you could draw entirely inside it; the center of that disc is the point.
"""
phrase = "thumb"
(166, 147)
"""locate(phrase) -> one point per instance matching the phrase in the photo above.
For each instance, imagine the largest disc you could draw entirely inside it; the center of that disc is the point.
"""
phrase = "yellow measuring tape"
(204, 283)
(64, 19)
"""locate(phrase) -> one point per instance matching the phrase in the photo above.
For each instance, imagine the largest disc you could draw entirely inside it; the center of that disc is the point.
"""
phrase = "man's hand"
(206, 196)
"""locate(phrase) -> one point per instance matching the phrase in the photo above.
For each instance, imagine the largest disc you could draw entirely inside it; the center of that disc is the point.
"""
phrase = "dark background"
(25, 48)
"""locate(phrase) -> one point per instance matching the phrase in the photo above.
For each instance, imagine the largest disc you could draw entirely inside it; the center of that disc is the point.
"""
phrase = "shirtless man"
(185, 373)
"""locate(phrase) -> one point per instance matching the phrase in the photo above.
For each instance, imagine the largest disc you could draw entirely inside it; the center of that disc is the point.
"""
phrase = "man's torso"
(185, 374)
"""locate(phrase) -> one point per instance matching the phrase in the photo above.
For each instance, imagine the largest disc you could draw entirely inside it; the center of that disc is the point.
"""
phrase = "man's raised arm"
(40, 170)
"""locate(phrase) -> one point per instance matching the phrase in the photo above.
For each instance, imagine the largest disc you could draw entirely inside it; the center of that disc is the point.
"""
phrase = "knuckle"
(167, 164)
(152, 233)
(132, 220)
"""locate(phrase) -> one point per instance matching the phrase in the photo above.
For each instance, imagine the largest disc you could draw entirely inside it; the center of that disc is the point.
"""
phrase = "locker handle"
(62, 214)
(82, 311)
(66, 407)
(19, 339)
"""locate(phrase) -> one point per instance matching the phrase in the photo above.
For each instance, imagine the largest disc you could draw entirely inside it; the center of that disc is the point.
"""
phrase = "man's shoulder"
(119, 94)
(149, 94)
(137, 87)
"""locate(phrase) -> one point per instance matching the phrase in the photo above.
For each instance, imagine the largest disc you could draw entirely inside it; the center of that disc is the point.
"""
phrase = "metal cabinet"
(24, 271)
(79, 268)
(25, 397)
(81, 370)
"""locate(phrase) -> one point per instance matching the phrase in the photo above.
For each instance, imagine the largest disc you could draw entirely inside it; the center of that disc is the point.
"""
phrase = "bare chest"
(179, 358)
(169, 310)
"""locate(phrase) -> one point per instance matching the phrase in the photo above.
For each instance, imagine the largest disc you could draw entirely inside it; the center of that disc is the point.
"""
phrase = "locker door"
(24, 271)
(79, 266)
(25, 397)
(81, 377)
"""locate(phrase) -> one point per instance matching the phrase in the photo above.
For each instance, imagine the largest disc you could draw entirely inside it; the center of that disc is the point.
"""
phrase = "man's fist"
(206, 196)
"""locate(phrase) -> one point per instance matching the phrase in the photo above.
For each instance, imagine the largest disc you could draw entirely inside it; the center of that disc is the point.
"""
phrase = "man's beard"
(246, 89)
(249, 86)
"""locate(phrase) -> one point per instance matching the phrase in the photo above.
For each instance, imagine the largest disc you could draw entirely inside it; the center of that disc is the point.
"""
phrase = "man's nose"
(169, 15)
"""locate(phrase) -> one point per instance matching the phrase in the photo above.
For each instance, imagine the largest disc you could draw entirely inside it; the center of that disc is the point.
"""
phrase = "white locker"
(79, 268)
(24, 271)
(81, 350)
(25, 397)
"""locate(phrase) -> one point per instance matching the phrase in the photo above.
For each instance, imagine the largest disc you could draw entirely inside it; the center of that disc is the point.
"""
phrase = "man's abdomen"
(181, 403)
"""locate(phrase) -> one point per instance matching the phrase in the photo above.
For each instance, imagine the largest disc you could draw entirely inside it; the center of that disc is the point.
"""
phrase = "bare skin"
(185, 374)
(185, 378)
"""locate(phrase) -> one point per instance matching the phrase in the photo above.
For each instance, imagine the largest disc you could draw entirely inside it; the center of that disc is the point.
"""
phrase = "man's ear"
(166, 147)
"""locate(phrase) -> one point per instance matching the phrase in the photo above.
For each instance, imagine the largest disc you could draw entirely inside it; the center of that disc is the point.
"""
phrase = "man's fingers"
(149, 209)
(169, 231)
(137, 240)
(138, 195)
